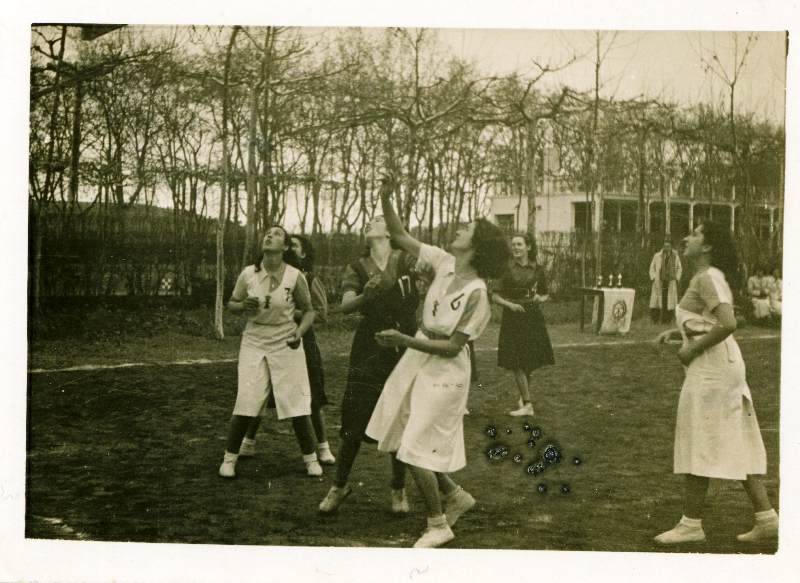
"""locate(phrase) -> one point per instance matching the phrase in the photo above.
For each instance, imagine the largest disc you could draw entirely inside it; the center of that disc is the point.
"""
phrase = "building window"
(583, 219)
(506, 223)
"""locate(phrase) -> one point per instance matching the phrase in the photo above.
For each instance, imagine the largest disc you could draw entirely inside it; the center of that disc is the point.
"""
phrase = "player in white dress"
(716, 434)
(271, 356)
(420, 412)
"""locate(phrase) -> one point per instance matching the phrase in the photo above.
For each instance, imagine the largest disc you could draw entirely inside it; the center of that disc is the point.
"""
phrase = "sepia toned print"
(161, 156)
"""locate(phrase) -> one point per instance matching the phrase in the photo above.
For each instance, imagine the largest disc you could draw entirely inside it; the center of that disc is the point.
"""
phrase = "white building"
(560, 209)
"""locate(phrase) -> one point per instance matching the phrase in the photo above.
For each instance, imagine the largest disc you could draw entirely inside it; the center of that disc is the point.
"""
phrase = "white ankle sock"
(230, 457)
(438, 522)
(323, 446)
(766, 515)
(691, 522)
(249, 441)
(312, 457)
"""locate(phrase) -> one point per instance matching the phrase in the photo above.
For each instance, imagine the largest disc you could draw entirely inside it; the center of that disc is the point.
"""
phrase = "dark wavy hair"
(724, 255)
(492, 253)
(307, 262)
(289, 256)
(529, 240)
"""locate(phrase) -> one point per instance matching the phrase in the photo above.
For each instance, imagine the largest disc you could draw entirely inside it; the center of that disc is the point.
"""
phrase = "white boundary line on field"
(91, 367)
(622, 342)
(130, 364)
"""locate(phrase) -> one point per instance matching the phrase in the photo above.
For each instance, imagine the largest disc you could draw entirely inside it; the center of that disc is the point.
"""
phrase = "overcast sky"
(657, 64)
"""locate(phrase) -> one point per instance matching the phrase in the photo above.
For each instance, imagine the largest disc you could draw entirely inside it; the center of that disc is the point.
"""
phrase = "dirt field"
(131, 454)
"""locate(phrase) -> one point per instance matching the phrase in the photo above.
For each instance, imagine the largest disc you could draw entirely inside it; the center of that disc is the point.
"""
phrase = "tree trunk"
(76, 144)
(531, 183)
(252, 170)
(219, 305)
(45, 195)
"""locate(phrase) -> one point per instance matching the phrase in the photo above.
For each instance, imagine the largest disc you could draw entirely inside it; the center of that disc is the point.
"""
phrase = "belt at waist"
(433, 335)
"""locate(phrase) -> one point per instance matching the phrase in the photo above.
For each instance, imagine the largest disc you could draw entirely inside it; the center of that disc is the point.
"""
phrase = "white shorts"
(284, 372)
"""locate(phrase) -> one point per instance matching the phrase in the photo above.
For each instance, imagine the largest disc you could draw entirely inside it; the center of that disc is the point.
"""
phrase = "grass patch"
(132, 454)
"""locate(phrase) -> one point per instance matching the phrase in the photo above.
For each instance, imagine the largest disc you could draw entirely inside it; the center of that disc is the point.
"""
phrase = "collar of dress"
(276, 276)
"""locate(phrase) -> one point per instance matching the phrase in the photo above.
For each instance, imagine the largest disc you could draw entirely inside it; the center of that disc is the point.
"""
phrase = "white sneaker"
(400, 502)
(681, 534)
(247, 449)
(228, 469)
(325, 456)
(313, 469)
(763, 530)
(456, 504)
(434, 537)
(525, 411)
(334, 499)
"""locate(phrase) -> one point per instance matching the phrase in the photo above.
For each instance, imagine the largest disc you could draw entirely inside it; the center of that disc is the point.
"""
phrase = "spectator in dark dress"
(524, 344)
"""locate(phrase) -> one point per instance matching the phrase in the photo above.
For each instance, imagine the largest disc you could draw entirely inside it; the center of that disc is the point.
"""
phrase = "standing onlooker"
(716, 434)
(524, 344)
(271, 357)
(665, 271)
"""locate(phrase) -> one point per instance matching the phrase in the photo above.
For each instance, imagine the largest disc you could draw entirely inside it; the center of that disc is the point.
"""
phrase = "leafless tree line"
(264, 125)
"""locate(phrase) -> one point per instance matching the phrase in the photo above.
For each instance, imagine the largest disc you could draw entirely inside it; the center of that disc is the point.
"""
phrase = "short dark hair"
(529, 241)
(492, 252)
(723, 252)
(307, 262)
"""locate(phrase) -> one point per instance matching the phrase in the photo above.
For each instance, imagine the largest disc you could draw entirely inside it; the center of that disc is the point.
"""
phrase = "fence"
(145, 251)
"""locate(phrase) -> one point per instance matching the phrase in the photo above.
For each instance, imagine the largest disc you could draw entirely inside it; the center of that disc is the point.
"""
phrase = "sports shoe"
(400, 502)
(434, 537)
(681, 534)
(248, 448)
(227, 470)
(313, 469)
(525, 411)
(334, 499)
(456, 504)
(763, 530)
(325, 456)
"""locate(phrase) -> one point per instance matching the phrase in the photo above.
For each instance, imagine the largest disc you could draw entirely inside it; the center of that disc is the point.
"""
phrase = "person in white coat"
(717, 433)
(420, 413)
(665, 272)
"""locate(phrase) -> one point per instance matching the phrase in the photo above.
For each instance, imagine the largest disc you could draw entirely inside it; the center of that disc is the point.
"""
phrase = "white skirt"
(420, 413)
(284, 370)
(717, 433)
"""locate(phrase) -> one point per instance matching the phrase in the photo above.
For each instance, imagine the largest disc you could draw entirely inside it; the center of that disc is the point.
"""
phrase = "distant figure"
(758, 288)
(776, 293)
(665, 271)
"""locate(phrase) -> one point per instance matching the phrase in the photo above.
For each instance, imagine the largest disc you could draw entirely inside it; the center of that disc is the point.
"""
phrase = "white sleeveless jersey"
(273, 323)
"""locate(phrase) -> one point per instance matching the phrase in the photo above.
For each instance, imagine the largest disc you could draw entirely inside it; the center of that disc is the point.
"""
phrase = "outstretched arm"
(393, 222)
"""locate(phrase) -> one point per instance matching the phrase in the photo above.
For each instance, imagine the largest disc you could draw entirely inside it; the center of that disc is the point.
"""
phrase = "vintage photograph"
(405, 287)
